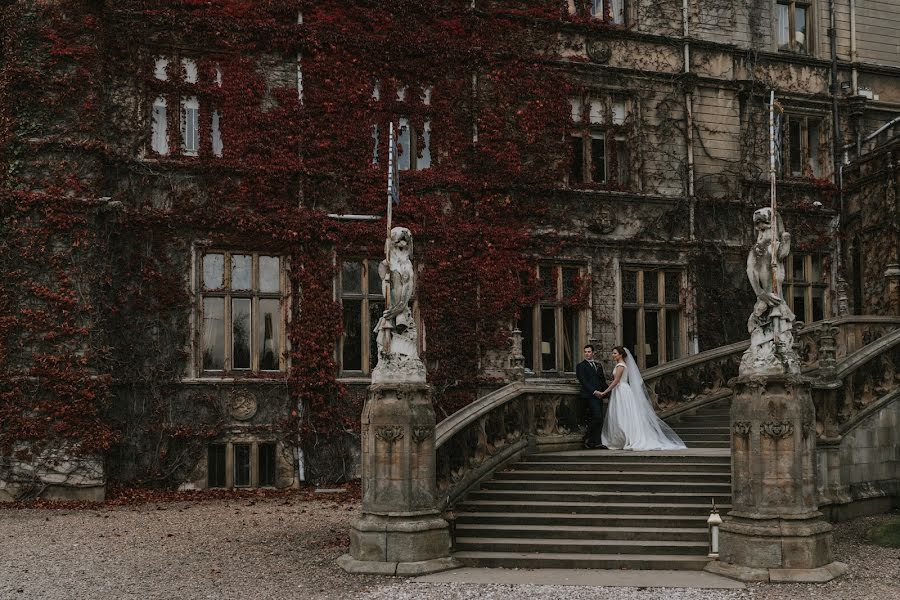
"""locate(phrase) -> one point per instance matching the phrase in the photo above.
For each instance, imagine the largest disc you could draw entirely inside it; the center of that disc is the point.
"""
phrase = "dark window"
(267, 464)
(241, 465)
(363, 303)
(215, 471)
(651, 315)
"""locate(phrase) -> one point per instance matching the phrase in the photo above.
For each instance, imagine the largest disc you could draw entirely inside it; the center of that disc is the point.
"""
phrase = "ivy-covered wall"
(101, 234)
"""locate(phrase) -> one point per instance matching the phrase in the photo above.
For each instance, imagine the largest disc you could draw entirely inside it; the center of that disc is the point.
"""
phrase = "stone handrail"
(847, 393)
(545, 413)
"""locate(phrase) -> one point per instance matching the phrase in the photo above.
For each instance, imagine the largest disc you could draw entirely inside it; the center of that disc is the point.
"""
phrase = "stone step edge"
(704, 505)
(576, 528)
(576, 542)
(579, 555)
(467, 514)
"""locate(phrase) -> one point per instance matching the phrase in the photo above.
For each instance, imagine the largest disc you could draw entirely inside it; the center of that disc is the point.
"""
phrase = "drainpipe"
(836, 140)
(689, 118)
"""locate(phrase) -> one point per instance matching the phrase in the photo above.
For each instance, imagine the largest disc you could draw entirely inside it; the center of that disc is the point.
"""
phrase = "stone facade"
(693, 160)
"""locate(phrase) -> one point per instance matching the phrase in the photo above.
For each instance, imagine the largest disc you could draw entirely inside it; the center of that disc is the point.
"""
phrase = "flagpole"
(386, 284)
(774, 248)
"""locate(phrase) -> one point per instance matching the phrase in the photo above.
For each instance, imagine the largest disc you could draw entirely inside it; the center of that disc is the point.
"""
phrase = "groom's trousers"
(595, 428)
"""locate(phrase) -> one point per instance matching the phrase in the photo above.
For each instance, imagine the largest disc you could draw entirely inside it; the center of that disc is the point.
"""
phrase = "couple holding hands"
(629, 422)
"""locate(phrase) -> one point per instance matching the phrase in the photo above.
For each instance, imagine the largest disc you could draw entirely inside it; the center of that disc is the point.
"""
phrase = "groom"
(591, 377)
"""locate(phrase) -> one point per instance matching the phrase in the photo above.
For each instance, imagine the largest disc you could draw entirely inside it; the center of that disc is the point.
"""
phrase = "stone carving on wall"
(598, 51)
(389, 434)
(397, 337)
(420, 434)
(770, 325)
(776, 430)
(742, 428)
(243, 405)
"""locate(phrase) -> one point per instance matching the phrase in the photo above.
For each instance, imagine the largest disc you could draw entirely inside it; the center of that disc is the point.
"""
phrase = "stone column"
(774, 531)
(400, 530)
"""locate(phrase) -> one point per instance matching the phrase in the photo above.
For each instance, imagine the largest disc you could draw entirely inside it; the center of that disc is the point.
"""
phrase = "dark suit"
(591, 380)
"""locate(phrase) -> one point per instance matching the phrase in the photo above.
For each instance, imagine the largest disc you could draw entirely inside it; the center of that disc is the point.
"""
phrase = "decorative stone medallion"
(243, 405)
(598, 52)
(742, 428)
(389, 434)
(777, 429)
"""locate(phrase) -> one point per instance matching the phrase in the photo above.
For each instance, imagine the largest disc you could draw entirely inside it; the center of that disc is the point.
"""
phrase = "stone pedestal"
(774, 531)
(400, 530)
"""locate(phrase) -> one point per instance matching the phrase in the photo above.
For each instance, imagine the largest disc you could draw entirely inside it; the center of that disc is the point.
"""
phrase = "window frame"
(807, 285)
(662, 307)
(809, 158)
(558, 304)
(365, 296)
(404, 109)
(791, 6)
(255, 296)
(230, 464)
(605, 14)
(589, 126)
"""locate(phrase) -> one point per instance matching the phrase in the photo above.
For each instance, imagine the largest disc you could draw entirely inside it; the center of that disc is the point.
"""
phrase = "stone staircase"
(602, 509)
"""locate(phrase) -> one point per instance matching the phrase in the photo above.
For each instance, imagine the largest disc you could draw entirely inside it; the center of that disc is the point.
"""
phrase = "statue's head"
(401, 238)
(762, 220)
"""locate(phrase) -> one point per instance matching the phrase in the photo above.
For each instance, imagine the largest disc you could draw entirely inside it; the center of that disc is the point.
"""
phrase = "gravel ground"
(285, 548)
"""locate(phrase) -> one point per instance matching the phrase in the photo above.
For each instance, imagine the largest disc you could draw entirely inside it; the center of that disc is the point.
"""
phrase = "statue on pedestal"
(397, 337)
(771, 323)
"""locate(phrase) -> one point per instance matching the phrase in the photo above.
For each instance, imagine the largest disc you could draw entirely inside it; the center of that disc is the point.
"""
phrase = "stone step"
(655, 547)
(632, 467)
(705, 437)
(578, 532)
(529, 506)
(633, 487)
(542, 560)
(668, 457)
(615, 475)
(581, 520)
(712, 429)
(708, 444)
(643, 497)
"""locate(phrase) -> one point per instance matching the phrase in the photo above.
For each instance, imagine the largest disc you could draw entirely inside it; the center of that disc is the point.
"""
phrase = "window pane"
(190, 109)
(673, 334)
(629, 287)
(241, 269)
(651, 338)
(190, 70)
(795, 158)
(651, 287)
(576, 109)
(352, 350)
(799, 294)
(525, 325)
(215, 466)
(576, 172)
(571, 339)
(424, 161)
(799, 273)
(617, 11)
(266, 467)
(673, 287)
(623, 161)
(269, 274)
(569, 276)
(597, 8)
(547, 277)
(375, 309)
(782, 26)
(375, 286)
(240, 333)
(213, 271)
(213, 334)
(351, 278)
(160, 139)
(269, 339)
(548, 338)
(216, 134)
(596, 112)
(598, 157)
(618, 112)
(241, 465)
(816, 275)
(813, 146)
(404, 145)
(800, 29)
(629, 329)
(160, 67)
(818, 303)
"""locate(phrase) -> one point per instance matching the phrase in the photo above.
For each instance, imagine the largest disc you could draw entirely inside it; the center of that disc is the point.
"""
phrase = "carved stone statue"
(397, 338)
(771, 323)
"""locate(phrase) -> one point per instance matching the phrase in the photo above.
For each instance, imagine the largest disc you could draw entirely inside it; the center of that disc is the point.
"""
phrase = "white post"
(773, 252)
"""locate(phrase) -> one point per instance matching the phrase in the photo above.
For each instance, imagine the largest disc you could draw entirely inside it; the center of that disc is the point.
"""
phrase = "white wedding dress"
(631, 423)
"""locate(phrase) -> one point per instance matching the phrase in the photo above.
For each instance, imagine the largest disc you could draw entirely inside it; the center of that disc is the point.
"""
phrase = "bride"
(631, 423)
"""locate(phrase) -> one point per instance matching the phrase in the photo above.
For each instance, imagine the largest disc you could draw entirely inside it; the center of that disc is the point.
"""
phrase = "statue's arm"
(751, 275)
